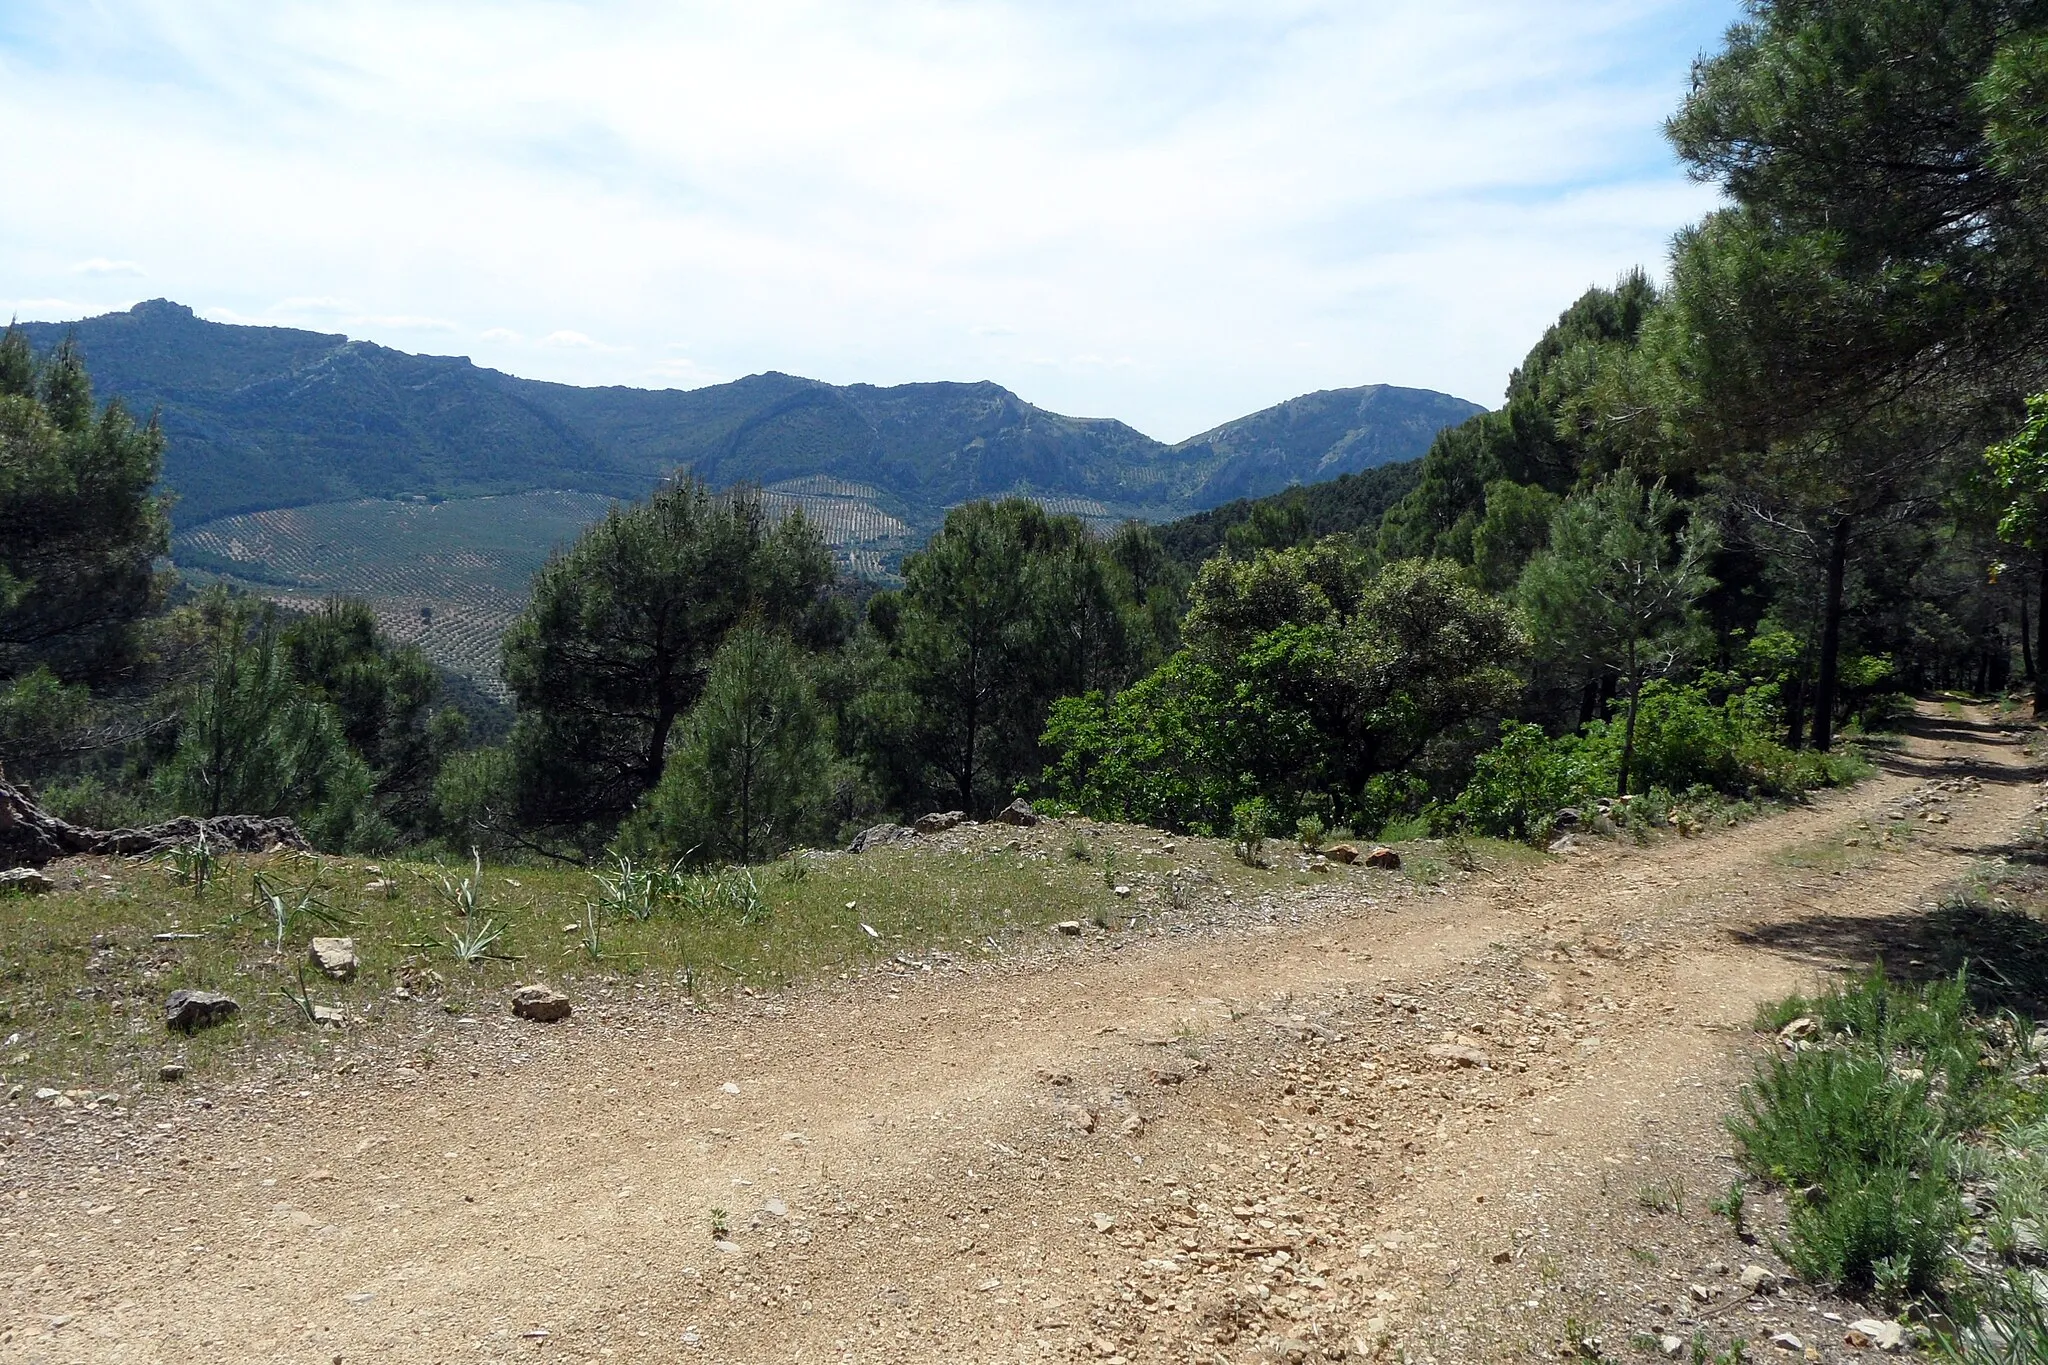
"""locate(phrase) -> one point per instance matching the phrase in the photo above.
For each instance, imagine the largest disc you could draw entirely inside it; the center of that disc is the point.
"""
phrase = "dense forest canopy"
(1727, 510)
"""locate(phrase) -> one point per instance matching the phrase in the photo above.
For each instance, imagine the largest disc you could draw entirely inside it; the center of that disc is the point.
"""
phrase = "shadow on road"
(2004, 946)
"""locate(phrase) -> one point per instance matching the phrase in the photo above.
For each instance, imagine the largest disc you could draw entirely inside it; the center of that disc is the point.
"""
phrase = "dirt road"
(1455, 1124)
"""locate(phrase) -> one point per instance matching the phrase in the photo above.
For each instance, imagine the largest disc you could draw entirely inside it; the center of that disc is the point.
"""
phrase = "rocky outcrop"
(1018, 813)
(30, 836)
(881, 836)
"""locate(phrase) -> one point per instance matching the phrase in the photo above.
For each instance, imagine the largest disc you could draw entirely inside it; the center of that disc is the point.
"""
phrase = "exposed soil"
(1229, 1147)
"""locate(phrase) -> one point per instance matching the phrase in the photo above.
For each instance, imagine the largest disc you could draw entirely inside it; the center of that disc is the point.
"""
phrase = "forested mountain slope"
(266, 417)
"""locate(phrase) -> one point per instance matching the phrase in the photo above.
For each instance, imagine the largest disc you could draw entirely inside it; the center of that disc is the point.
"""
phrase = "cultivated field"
(450, 576)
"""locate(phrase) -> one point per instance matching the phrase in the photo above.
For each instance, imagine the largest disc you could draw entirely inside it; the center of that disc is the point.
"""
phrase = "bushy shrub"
(1250, 821)
(95, 803)
(1685, 742)
(1522, 782)
(1862, 1126)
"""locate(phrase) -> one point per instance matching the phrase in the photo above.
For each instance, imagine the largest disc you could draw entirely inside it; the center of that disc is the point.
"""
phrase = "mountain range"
(267, 417)
(306, 465)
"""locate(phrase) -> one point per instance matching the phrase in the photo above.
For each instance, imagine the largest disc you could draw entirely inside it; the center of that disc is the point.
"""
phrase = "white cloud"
(400, 322)
(101, 266)
(1236, 200)
(57, 309)
(680, 372)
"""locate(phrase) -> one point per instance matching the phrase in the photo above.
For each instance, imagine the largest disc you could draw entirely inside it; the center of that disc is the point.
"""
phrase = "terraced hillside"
(447, 576)
(450, 575)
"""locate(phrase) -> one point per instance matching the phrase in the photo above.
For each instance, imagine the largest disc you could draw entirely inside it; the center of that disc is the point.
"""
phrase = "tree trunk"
(1830, 638)
(1795, 709)
(1628, 733)
(31, 836)
(2040, 667)
(2026, 637)
(1589, 702)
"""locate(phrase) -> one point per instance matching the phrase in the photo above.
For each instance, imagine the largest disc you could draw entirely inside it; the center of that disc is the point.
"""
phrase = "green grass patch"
(85, 970)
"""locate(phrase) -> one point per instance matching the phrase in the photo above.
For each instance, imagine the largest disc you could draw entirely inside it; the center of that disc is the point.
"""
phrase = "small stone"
(1341, 853)
(730, 1088)
(1670, 1347)
(1459, 1054)
(1018, 812)
(336, 957)
(1105, 1222)
(326, 1016)
(1123, 891)
(1566, 819)
(1083, 1120)
(1758, 1280)
(1133, 1126)
(1799, 1028)
(1701, 1293)
(1383, 857)
(25, 881)
(1876, 1333)
(542, 1004)
(186, 1011)
(1070, 927)
(1785, 1341)
(1717, 1267)
(939, 821)
(44, 1094)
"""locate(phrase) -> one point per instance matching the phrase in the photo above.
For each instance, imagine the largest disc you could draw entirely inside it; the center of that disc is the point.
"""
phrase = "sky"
(1174, 212)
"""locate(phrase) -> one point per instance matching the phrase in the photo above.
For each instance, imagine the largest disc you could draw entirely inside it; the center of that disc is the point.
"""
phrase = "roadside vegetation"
(88, 966)
(1907, 1123)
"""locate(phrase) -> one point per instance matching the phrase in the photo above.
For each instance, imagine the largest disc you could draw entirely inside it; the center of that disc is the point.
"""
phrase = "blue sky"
(1172, 213)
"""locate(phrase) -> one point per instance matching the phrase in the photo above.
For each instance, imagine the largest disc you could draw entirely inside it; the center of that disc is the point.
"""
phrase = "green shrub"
(93, 802)
(1864, 1123)
(1309, 830)
(1685, 742)
(1889, 1234)
(1523, 781)
(1825, 1116)
(1249, 822)
(1390, 801)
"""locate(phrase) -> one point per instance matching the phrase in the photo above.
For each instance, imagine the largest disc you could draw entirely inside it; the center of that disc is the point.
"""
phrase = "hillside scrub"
(1305, 676)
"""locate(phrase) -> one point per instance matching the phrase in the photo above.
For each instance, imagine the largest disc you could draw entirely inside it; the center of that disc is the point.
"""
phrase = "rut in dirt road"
(1416, 1123)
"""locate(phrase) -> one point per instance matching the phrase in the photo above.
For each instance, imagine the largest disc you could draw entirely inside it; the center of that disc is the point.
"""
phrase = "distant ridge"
(268, 417)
